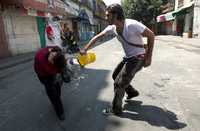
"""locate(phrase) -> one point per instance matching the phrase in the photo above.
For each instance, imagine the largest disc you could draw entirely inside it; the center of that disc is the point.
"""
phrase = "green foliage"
(142, 10)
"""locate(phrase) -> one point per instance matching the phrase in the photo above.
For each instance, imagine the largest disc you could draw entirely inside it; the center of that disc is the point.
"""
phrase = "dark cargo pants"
(53, 90)
(122, 76)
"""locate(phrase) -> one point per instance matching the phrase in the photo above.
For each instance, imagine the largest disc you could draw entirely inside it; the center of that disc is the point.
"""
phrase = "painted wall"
(21, 32)
(4, 51)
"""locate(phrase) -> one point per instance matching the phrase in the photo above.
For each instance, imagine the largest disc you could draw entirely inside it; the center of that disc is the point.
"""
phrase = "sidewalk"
(15, 60)
(178, 39)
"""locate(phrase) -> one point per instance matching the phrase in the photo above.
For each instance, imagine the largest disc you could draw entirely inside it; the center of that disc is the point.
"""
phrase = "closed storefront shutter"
(3, 40)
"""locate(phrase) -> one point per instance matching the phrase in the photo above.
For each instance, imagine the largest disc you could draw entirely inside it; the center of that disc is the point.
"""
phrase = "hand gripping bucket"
(86, 59)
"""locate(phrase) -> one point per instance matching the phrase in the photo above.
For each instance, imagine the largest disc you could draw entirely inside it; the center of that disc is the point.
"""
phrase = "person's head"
(65, 25)
(57, 58)
(56, 18)
(114, 12)
(66, 28)
(53, 19)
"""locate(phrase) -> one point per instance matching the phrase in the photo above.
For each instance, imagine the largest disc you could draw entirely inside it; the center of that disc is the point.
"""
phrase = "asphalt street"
(169, 93)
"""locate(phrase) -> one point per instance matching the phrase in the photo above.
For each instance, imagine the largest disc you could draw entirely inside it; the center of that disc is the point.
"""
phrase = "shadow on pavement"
(83, 107)
(155, 116)
(25, 106)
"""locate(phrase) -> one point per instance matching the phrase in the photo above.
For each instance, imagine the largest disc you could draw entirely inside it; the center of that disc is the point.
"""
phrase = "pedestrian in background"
(65, 35)
(49, 63)
(69, 40)
(129, 32)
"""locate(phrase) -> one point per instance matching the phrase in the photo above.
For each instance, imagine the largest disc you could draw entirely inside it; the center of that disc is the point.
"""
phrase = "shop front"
(184, 20)
(165, 24)
(24, 22)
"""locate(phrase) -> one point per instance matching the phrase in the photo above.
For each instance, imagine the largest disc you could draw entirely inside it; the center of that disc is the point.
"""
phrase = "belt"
(138, 57)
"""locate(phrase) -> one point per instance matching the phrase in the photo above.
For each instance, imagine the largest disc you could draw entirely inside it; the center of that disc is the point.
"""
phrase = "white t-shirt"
(132, 33)
(56, 41)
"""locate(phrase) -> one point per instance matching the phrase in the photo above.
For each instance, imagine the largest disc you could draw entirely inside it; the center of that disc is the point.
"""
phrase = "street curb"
(16, 60)
(15, 63)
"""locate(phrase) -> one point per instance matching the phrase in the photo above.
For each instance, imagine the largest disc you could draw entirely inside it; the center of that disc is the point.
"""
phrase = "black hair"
(66, 25)
(59, 60)
(56, 49)
(116, 9)
(56, 18)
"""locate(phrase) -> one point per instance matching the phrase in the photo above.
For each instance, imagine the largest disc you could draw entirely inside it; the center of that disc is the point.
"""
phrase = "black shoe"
(118, 113)
(61, 117)
(134, 93)
(110, 111)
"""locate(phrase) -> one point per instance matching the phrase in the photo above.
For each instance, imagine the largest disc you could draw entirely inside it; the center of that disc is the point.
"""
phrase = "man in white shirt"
(129, 32)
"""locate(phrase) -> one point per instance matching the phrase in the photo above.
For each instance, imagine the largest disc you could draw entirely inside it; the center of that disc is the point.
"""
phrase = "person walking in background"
(69, 40)
(129, 32)
(65, 35)
(49, 63)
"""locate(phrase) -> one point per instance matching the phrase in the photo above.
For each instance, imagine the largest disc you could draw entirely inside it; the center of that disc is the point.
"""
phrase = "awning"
(169, 16)
(70, 10)
(183, 9)
(83, 17)
(160, 18)
(165, 17)
(91, 20)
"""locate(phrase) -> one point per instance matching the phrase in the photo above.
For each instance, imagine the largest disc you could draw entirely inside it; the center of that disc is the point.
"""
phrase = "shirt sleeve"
(109, 30)
(138, 27)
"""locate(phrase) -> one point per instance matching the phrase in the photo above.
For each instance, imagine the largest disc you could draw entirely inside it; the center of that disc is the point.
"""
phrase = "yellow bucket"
(86, 59)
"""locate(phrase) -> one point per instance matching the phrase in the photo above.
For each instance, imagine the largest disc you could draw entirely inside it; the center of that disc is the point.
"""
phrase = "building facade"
(183, 21)
(23, 22)
(165, 21)
(184, 14)
(4, 49)
(85, 24)
(99, 15)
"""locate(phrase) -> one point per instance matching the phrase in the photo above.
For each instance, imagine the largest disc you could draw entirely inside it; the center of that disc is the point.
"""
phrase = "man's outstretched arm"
(91, 42)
